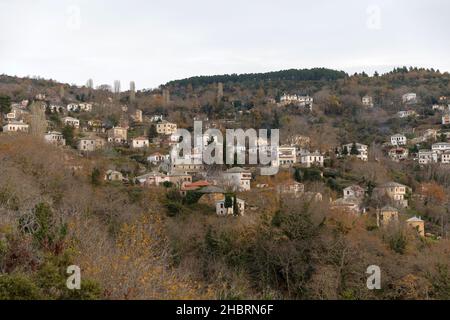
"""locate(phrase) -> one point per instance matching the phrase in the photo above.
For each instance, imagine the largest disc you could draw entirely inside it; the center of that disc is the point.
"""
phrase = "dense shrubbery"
(52, 218)
(302, 253)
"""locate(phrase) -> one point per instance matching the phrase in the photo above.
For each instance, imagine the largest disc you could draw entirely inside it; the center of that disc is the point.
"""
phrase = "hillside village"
(372, 152)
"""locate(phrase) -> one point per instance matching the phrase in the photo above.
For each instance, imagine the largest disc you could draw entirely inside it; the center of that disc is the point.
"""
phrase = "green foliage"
(44, 217)
(69, 135)
(51, 279)
(315, 74)
(112, 120)
(152, 133)
(174, 208)
(48, 232)
(398, 241)
(334, 185)
(345, 151)
(18, 287)
(192, 197)
(354, 150)
(413, 149)
(48, 282)
(370, 187)
(294, 237)
(219, 243)
(135, 194)
(277, 219)
(167, 184)
(139, 158)
(90, 290)
(228, 201)
(307, 174)
(51, 276)
(174, 195)
(174, 202)
(440, 282)
(96, 177)
(54, 117)
(5, 104)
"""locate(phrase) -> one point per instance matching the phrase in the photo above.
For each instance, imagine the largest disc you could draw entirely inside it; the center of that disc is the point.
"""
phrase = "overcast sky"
(152, 42)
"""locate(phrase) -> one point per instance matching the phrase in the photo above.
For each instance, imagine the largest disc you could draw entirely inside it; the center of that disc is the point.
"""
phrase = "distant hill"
(315, 74)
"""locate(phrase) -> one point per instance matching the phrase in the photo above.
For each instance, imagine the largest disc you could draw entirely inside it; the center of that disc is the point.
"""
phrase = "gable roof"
(211, 189)
(355, 187)
(389, 208)
(391, 184)
(140, 138)
(414, 219)
(236, 170)
(151, 174)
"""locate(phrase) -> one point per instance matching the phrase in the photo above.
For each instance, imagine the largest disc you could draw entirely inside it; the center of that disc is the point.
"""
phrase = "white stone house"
(387, 215)
(293, 188)
(398, 140)
(309, 159)
(354, 191)
(54, 108)
(410, 97)
(302, 101)
(189, 163)
(16, 126)
(349, 205)
(11, 116)
(140, 142)
(55, 138)
(157, 118)
(72, 107)
(117, 135)
(237, 178)
(113, 175)
(446, 119)
(427, 156)
(398, 154)
(395, 191)
(157, 157)
(96, 125)
(73, 122)
(222, 211)
(362, 150)
(86, 107)
(445, 157)
(179, 178)
(90, 144)
(417, 224)
(287, 156)
(440, 147)
(152, 178)
(406, 113)
(166, 128)
(367, 101)
(41, 96)
(137, 116)
(440, 107)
